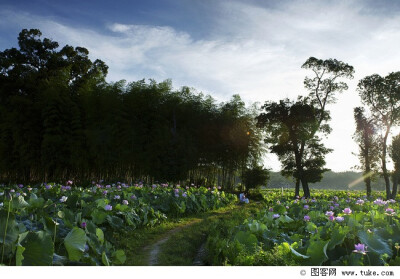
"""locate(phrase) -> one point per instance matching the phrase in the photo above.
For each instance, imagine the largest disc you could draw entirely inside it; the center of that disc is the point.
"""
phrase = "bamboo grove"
(60, 119)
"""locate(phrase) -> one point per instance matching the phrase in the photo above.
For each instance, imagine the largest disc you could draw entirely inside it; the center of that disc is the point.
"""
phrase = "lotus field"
(332, 228)
(54, 224)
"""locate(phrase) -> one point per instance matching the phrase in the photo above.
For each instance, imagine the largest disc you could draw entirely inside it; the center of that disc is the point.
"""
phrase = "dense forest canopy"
(60, 119)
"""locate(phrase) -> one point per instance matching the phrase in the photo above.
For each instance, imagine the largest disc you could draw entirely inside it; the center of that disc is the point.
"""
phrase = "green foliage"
(291, 239)
(381, 96)
(368, 143)
(35, 248)
(290, 131)
(75, 243)
(292, 127)
(60, 120)
(255, 177)
(84, 224)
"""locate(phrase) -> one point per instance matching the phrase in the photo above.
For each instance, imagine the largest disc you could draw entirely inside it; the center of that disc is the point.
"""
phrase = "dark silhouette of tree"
(255, 177)
(60, 119)
(382, 96)
(394, 152)
(367, 140)
(290, 133)
(305, 160)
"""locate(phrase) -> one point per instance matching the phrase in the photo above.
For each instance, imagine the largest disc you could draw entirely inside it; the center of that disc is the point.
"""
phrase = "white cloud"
(254, 51)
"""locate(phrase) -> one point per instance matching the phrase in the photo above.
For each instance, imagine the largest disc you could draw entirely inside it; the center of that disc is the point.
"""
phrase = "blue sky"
(252, 48)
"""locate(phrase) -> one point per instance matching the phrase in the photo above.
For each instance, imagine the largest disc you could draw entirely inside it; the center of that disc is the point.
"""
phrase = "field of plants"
(54, 224)
(332, 228)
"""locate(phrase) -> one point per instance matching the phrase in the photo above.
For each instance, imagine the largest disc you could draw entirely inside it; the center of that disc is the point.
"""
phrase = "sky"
(251, 48)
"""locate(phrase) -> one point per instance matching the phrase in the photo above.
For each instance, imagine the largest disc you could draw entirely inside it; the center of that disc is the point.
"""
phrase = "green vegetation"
(60, 120)
(294, 129)
(334, 228)
(67, 225)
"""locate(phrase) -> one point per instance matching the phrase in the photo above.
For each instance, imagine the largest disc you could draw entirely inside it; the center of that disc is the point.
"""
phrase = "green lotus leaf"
(317, 252)
(100, 235)
(105, 259)
(75, 243)
(12, 228)
(20, 203)
(338, 236)
(248, 239)
(98, 216)
(37, 249)
(119, 257)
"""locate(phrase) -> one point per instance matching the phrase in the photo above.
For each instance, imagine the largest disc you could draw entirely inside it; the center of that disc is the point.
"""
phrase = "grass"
(182, 246)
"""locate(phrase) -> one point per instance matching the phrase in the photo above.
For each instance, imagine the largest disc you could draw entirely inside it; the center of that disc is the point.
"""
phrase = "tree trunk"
(384, 169)
(368, 185)
(297, 189)
(306, 189)
(395, 182)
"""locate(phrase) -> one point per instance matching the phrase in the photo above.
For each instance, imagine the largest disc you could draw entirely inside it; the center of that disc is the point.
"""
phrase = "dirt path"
(152, 252)
(201, 254)
(154, 249)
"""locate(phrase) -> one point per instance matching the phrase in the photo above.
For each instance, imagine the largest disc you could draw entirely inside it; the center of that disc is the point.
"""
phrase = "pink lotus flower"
(379, 202)
(339, 219)
(347, 211)
(329, 213)
(360, 202)
(360, 248)
(390, 211)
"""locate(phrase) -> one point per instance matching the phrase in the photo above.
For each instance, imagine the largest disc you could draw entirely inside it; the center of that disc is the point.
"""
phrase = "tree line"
(60, 119)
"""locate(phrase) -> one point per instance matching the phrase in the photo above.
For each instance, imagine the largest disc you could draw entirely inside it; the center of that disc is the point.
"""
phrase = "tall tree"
(382, 96)
(366, 138)
(395, 155)
(60, 119)
(327, 80)
(290, 132)
(306, 150)
(255, 177)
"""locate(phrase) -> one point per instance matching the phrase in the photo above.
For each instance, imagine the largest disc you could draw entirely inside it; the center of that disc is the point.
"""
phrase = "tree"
(382, 96)
(60, 119)
(325, 83)
(395, 155)
(255, 177)
(366, 138)
(290, 133)
(322, 87)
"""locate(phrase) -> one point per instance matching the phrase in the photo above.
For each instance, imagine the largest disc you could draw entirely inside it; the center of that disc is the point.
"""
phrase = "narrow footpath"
(181, 242)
